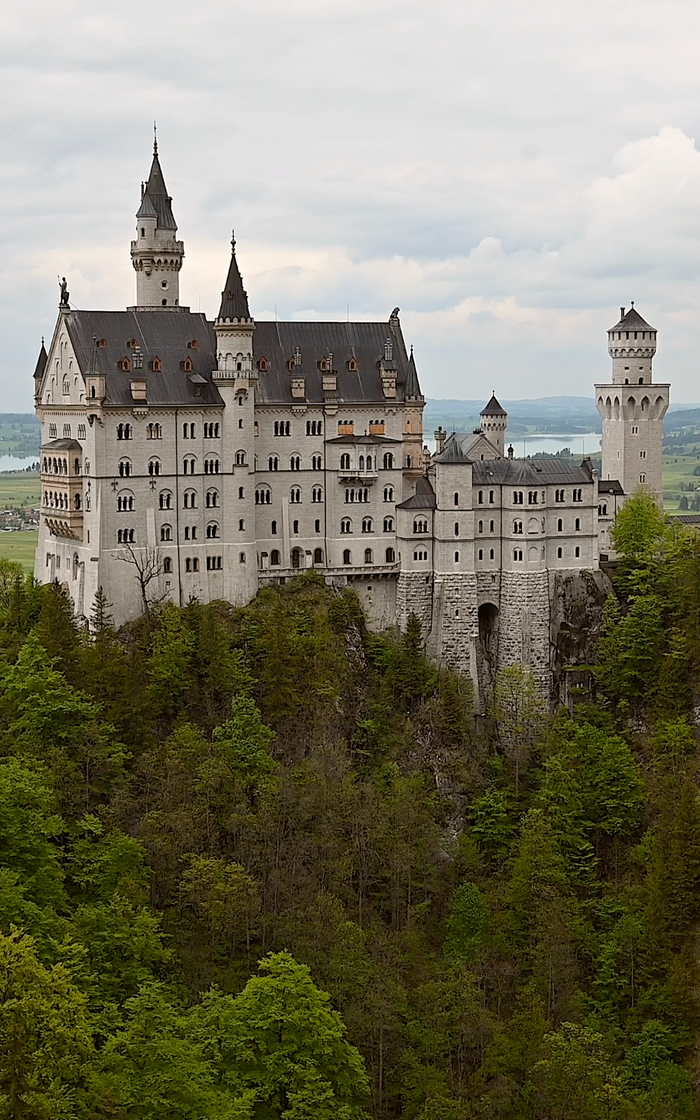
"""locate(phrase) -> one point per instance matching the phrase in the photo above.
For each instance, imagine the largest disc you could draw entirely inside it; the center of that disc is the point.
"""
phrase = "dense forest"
(259, 863)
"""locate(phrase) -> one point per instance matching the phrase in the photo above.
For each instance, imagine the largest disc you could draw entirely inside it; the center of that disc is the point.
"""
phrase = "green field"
(20, 546)
(678, 469)
(21, 488)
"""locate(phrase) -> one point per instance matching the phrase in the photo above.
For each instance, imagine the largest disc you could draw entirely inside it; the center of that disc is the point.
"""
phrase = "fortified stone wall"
(524, 624)
(414, 595)
(455, 633)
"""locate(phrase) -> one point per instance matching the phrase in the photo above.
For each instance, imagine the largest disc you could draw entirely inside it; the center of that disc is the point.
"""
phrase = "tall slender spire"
(156, 198)
(156, 254)
(412, 383)
(234, 298)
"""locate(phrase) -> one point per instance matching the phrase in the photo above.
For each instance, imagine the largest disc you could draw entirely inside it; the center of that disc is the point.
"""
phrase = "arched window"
(492, 497)
(388, 493)
(318, 556)
(125, 501)
(577, 525)
(167, 565)
(154, 466)
(316, 463)
(577, 552)
(345, 461)
(126, 536)
(517, 497)
(346, 525)
(297, 555)
(317, 494)
(481, 527)
(273, 528)
(273, 463)
(480, 554)
(560, 525)
(124, 468)
(367, 525)
(456, 498)
(212, 530)
(361, 463)
(560, 553)
(166, 533)
(517, 553)
(241, 525)
(295, 463)
(347, 558)
(295, 495)
(212, 499)
(368, 556)
(241, 459)
(517, 526)
(420, 526)
(480, 498)
(211, 466)
(125, 431)
(295, 527)
(491, 554)
(388, 461)
(190, 499)
(188, 466)
(388, 524)
(390, 556)
(263, 496)
(275, 558)
(154, 431)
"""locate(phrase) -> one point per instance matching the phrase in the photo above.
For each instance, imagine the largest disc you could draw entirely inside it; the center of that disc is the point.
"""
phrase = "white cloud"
(509, 175)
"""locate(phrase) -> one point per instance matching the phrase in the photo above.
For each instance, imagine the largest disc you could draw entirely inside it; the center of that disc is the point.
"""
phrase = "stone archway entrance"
(488, 633)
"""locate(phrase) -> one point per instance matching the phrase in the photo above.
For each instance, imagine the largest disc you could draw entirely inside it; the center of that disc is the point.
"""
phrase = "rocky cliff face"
(576, 611)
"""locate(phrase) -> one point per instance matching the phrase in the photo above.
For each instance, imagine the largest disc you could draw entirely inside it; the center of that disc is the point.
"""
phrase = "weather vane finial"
(233, 240)
(155, 138)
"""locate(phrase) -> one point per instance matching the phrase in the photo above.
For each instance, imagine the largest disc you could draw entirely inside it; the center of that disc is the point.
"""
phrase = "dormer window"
(125, 365)
(133, 344)
(156, 365)
(187, 365)
(290, 364)
(102, 344)
(193, 345)
(352, 365)
(264, 365)
(323, 365)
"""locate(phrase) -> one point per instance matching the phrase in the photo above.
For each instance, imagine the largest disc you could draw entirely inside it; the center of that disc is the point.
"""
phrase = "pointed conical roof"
(631, 321)
(234, 298)
(41, 362)
(493, 408)
(412, 383)
(156, 201)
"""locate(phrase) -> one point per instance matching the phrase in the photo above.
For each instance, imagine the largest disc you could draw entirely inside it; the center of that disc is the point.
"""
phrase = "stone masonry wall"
(524, 625)
(414, 595)
(455, 634)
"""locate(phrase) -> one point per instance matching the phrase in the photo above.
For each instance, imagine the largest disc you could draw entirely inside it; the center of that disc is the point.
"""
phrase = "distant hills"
(556, 415)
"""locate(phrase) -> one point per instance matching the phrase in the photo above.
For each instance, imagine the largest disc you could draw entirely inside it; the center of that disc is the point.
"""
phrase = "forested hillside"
(257, 863)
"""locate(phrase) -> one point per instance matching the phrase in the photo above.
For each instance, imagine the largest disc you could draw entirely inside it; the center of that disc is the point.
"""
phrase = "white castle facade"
(184, 458)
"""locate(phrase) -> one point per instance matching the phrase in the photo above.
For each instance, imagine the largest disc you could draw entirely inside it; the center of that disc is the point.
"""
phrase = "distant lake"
(14, 463)
(585, 443)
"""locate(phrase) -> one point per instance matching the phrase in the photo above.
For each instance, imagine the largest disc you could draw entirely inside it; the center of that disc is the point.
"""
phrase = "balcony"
(357, 474)
(64, 523)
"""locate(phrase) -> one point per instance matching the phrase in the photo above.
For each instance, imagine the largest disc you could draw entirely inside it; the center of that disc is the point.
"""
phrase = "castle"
(184, 458)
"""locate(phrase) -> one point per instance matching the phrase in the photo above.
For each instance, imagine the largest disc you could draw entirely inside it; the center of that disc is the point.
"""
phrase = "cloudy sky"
(507, 173)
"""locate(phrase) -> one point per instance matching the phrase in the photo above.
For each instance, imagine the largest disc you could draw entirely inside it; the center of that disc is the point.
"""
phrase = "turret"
(234, 328)
(494, 422)
(156, 254)
(631, 345)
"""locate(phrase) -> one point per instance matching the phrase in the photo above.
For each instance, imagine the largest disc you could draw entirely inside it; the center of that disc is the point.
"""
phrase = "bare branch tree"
(148, 564)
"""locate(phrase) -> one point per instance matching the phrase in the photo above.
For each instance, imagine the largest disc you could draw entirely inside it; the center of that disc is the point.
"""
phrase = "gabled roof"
(632, 320)
(61, 445)
(41, 362)
(155, 197)
(234, 298)
(452, 452)
(424, 497)
(529, 472)
(493, 408)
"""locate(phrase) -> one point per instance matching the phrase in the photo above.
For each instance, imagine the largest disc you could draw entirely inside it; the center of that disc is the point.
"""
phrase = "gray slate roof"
(155, 197)
(530, 472)
(234, 298)
(493, 408)
(362, 341)
(362, 439)
(424, 497)
(412, 384)
(41, 362)
(61, 445)
(161, 334)
(452, 453)
(609, 486)
(632, 321)
(166, 334)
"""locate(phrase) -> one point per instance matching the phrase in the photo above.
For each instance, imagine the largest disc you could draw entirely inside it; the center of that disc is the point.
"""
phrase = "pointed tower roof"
(493, 408)
(234, 298)
(631, 321)
(41, 362)
(412, 383)
(155, 200)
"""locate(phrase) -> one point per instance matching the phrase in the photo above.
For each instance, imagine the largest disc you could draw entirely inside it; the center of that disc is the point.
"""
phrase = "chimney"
(440, 435)
(622, 312)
